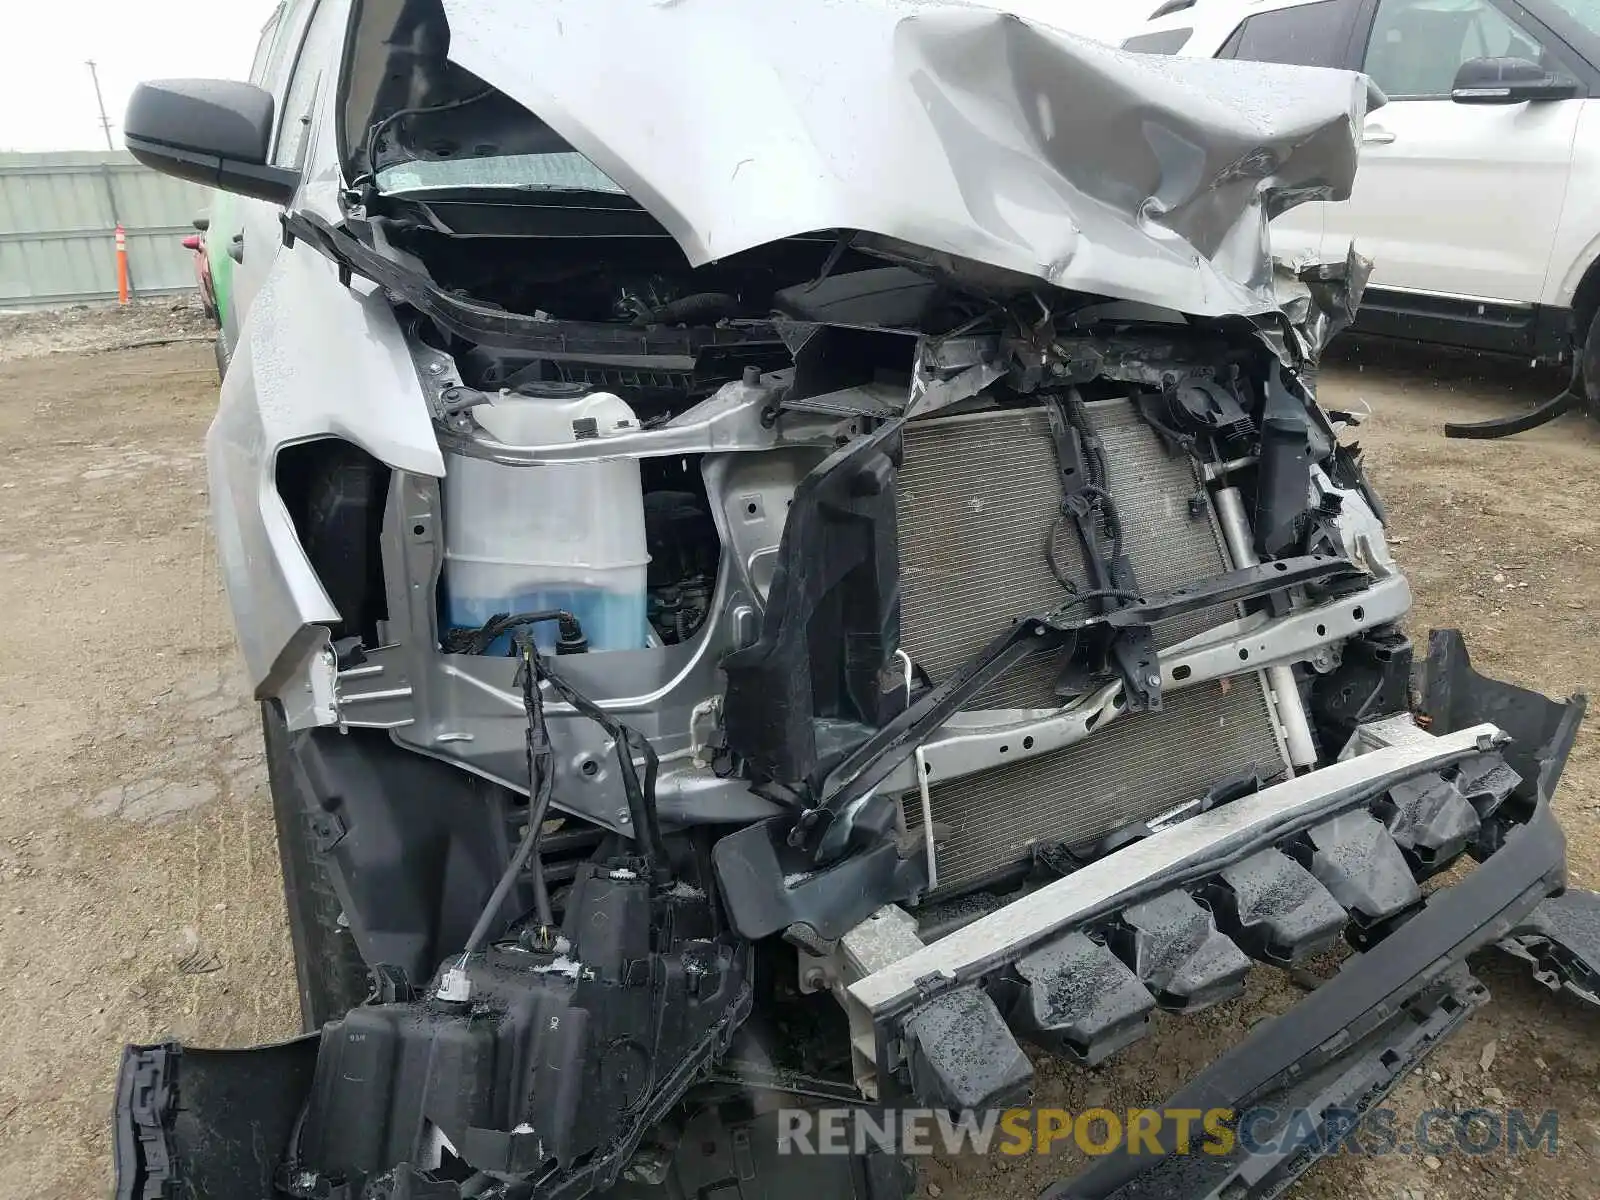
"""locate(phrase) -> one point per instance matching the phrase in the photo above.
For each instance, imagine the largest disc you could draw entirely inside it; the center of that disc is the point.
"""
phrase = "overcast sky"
(47, 99)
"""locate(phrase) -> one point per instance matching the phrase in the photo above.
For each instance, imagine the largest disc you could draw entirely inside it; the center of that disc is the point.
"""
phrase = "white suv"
(1478, 196)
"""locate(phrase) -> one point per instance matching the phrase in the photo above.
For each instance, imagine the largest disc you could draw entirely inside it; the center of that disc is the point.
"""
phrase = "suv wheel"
(1588, 356)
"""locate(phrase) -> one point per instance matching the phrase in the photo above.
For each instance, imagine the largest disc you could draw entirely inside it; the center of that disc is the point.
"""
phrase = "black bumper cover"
(1349, 1042)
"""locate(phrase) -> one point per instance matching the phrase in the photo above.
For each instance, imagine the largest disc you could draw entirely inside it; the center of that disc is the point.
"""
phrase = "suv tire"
(1588, 355)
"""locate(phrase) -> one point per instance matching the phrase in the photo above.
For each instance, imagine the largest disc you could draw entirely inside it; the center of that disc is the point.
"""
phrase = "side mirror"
(210, 131)
(1508, 81)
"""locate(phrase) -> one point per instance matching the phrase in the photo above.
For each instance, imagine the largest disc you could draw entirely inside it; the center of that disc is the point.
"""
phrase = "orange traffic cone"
(122, 265)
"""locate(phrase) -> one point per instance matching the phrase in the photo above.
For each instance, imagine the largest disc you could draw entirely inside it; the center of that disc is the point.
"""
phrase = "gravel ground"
(139, 886)
(98, 328)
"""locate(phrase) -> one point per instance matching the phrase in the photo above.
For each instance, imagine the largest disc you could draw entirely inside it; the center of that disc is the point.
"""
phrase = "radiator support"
(977, 498)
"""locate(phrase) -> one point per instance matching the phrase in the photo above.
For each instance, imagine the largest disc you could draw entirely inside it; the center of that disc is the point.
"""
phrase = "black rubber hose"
(698, 309)
(1583, 362)
(541, 786)
(1099, 474)
(641, 795)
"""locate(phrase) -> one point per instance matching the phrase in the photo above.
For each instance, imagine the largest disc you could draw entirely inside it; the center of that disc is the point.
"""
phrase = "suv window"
(1585, 12)
(1308, 35)
(258, 66)
(1417, 46)
(1167, 41)
(287, 28)
(295, 113)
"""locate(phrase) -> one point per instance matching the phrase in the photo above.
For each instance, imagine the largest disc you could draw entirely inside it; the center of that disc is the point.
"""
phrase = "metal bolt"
(1154, 681)
(436, 367)
(622, 816)
(814, 979)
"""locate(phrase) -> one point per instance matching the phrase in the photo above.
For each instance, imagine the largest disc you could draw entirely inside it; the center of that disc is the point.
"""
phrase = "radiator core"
(977, 497)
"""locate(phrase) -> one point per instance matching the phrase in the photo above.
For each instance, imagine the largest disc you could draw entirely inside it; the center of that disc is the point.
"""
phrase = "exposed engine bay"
(819, 668)
(932, 623)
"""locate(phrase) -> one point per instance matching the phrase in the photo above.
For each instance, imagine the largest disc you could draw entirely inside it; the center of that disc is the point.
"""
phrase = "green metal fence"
(58, 218)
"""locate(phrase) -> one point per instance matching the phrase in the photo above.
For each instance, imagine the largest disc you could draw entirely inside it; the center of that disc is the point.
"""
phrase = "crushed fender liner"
(610, 1024)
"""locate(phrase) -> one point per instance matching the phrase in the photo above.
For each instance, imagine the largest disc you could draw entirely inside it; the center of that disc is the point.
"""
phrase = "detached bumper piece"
(1561, 938)
(1331, 1088)
(1348, 1043)
(1173, 920)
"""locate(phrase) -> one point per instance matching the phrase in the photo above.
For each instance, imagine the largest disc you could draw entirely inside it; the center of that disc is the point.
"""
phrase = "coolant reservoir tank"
(558, 535)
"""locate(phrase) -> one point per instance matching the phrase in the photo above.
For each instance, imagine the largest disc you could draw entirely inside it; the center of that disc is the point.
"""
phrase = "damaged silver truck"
(785, 551)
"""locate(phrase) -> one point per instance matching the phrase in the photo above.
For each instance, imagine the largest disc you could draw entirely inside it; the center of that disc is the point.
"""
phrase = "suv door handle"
(1376, 136)
(236, 248)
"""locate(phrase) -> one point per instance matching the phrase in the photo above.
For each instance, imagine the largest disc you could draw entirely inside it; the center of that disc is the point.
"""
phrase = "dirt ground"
(139, 887)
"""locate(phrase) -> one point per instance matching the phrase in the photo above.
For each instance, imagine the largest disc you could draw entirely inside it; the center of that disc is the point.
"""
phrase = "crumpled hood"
(943, 130)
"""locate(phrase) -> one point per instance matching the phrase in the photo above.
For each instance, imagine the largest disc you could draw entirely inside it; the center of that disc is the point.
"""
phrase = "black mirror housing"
(1508, 81)
(215, 132)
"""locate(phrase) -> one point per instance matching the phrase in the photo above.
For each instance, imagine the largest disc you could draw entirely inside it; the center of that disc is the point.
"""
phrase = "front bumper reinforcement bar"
(1194, 848)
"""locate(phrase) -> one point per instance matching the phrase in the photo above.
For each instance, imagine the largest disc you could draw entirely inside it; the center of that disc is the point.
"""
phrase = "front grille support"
(866, 768)
(978, 502)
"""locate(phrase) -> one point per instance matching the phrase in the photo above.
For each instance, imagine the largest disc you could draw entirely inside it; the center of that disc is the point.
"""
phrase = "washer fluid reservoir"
(558, 535)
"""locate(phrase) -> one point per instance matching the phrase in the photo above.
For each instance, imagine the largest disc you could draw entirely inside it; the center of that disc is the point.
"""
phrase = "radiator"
(977, 497)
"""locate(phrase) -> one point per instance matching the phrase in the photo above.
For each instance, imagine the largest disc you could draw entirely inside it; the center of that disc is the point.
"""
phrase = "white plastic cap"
(455, 986)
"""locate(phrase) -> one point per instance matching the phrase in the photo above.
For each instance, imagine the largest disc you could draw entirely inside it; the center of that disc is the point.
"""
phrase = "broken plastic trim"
(1183, 853)
(1455, 922)
(1582, 389)
(1334, 1087)
(1499, 427)
(1561, 939)
(1424, 951)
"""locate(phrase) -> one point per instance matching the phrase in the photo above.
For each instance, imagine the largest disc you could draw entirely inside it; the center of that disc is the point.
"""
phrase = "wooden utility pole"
(124, 274)
(105, 122)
